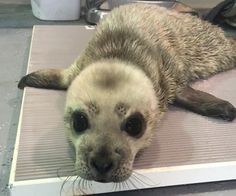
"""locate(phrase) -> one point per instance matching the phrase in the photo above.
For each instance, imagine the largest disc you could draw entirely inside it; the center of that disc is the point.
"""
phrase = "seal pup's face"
(111, 113)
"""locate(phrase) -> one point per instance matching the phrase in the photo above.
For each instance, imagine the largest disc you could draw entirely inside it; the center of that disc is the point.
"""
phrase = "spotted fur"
(171, 48)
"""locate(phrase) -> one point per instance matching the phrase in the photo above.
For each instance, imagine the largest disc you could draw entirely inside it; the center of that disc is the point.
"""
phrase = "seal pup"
(140, 59)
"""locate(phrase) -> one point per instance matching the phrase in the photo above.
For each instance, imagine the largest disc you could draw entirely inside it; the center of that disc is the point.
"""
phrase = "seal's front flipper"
(205, 104)
(46, 78)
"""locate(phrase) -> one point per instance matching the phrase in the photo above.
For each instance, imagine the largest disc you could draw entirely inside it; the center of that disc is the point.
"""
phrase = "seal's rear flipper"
(46, 78)
(205, 104)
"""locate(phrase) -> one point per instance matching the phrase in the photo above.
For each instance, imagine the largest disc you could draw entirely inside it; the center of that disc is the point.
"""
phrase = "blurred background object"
(224, 12)
(56, 10)
(96, 9)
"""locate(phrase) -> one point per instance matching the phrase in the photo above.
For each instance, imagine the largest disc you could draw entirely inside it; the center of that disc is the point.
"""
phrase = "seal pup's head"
(111, 114)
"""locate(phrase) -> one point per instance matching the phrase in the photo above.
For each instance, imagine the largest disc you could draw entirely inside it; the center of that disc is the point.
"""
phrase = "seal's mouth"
(119, 174)
(108, 180)
(102, 180)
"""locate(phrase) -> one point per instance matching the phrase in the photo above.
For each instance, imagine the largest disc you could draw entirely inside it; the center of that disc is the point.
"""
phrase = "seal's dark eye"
(134, 125)
(80, 122)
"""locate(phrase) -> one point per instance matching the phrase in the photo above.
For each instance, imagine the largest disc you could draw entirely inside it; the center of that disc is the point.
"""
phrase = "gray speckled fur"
(172, 48)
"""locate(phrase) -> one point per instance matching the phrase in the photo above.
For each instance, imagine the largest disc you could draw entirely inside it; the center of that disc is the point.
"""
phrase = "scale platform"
(188, 148)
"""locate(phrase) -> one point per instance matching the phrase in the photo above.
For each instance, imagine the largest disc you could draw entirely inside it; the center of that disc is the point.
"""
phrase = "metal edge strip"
(15, 154)
(155, 177)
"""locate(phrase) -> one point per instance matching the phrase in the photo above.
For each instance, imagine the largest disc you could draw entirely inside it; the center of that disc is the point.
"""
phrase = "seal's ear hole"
(80, 121)
(134, 125)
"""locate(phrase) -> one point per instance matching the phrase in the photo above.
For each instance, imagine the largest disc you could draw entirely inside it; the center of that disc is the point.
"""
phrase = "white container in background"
(115, 3)
(56, 9)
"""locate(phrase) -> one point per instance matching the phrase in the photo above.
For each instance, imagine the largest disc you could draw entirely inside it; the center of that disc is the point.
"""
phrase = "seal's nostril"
(90, 149)
(119, 151)
(107, 167)
(102, 166)
(95, 165)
